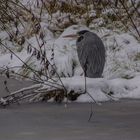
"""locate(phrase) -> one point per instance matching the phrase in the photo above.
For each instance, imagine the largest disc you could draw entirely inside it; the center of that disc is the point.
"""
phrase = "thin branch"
(136, 9)
(129, 16)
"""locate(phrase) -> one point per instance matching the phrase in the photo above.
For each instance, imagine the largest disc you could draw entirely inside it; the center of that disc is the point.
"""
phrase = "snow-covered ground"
(121, 73)
(122, 69)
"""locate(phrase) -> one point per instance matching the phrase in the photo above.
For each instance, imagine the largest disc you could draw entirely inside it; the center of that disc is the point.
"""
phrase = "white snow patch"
(101, 89)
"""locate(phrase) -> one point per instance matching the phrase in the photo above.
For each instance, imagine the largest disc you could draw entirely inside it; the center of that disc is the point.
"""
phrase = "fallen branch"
(54, 91)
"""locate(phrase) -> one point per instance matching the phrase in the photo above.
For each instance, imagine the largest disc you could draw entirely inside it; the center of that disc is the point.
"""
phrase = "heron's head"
(79, 35)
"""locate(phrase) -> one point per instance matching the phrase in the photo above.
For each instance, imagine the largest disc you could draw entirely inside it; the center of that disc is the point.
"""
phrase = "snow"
(6, 61)
(122, 69)
(100, 89)
(114, 81)
(119, 58)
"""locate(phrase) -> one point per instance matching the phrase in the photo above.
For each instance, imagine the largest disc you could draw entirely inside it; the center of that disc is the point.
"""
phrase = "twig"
(91, 111)
(6, 87)
(136, 9)
(129, 16)
(48, 83)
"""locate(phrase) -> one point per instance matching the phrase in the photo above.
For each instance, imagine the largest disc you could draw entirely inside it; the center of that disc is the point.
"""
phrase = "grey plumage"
(91, 53)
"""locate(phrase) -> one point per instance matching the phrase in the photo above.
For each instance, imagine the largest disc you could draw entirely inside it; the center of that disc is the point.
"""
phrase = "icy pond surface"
(42, 121)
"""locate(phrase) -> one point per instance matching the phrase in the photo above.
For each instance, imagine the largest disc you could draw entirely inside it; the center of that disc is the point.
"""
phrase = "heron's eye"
(80, 38)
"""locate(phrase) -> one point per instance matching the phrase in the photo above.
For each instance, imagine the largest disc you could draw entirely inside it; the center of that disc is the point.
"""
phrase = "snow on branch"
(99, 89)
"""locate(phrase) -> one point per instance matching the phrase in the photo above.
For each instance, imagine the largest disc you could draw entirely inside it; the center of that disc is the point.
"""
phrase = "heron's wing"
(82, 55)
(96, 59)
(92, 57)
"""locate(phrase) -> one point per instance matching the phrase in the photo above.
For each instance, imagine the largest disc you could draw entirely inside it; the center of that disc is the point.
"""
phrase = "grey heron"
(91, 53)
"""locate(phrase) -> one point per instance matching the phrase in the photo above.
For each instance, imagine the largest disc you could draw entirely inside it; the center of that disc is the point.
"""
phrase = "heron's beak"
(71, 36)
